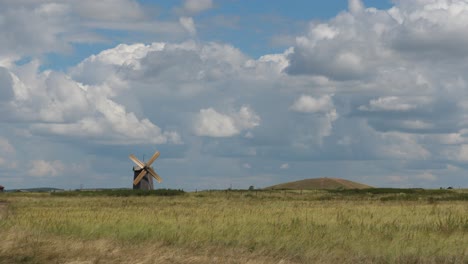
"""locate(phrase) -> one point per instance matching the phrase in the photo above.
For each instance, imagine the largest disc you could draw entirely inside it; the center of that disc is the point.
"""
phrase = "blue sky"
(233, 93)
(271, 19)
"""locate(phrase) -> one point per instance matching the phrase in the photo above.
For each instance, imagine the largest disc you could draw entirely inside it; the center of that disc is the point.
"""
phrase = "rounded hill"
(319, 183)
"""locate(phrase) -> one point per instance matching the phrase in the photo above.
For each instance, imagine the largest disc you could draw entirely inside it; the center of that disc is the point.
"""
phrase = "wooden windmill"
(142, 173)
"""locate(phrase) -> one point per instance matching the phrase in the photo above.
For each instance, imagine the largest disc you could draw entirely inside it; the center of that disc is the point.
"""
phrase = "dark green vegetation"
(40, 189)
(394, 194)
(121, 193)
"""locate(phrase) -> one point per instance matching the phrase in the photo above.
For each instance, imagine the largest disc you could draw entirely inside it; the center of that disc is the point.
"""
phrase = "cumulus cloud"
(55, 26)
(361, 43)
(424, 27)
(180, 68)
(309, 104)
(326, 113)
(56, 104)
(112, 124)
(44, 31)
(385, 55)
(213, 124)
(355, 6)
(395, 78)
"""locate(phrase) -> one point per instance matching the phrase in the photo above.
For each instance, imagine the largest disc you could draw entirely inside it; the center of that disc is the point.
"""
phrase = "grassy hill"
(320, 183)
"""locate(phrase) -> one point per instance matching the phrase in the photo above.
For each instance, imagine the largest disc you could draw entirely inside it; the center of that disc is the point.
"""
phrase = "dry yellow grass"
(24, 247)
(231, 228)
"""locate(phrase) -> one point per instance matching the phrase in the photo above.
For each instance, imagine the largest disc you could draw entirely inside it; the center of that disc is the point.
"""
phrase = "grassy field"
(387, 226)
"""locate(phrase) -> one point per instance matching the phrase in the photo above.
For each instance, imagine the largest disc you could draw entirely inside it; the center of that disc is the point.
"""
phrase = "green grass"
(266, 226)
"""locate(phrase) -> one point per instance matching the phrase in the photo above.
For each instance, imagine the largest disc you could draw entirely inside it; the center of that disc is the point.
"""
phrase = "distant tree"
(251, 188)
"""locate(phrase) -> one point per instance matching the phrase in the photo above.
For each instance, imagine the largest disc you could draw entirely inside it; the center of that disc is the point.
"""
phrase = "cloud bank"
(370, 95)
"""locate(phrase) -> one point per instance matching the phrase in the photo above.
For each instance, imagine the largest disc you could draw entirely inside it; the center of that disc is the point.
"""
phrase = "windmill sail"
(143, 173)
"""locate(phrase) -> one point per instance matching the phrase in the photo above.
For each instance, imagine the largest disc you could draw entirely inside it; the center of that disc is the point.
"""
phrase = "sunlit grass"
(298, 227)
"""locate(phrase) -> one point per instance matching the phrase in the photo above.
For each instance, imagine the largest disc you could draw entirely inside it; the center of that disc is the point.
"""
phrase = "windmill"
(142, 172)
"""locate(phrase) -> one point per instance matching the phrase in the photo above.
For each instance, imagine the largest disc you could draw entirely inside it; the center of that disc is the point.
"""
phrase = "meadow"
(362, 226)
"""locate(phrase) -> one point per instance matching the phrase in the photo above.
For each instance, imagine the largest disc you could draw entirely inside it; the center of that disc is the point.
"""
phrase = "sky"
(233, 93)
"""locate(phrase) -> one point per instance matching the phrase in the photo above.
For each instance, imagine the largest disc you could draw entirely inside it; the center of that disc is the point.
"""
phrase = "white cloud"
(5, 147)
(168, 68)
(213, 124)
(363, 42)
(309, 104)
(56, 104)
(43, 168)
(188, 24)
(355, 6)
(44, 31)
(425, 26)
(246, 118)
(390, 103)
(326, 115)
(196, 6)
(7, 154)
(270, 63)
(449, 139)
(55, 26)
(402, 146)
(112, 125)
(284, 166)
(416, 124)
(396, 78)
(458, 153)
(111, 10)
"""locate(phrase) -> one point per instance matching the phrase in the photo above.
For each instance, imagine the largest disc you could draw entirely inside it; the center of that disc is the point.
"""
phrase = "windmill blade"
(137, 161)
(153, 158)
(139, 177)
(154, 174)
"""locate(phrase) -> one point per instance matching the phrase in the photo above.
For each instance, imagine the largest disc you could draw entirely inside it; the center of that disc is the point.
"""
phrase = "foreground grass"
(234, 227)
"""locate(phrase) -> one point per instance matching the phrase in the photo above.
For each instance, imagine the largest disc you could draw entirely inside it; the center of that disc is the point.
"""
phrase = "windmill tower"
(142, 173)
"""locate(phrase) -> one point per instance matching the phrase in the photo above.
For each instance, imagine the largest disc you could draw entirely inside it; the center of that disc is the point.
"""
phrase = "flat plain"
(349, 226)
